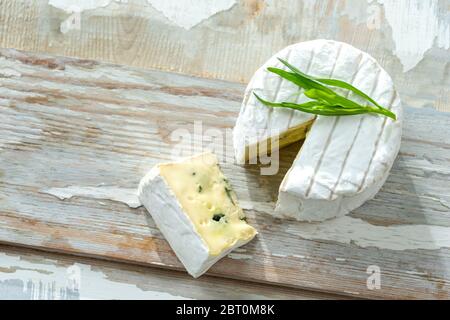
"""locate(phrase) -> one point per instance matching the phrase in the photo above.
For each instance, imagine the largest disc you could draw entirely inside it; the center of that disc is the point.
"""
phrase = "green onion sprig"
(324, 101)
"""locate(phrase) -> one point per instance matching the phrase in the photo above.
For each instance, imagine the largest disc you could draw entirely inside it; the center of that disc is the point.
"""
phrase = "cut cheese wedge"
(196, 210)
(343, 161)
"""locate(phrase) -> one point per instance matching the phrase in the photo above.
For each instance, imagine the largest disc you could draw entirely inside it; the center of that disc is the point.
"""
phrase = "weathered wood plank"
(232, 44)
(29, 274)
(76, 124)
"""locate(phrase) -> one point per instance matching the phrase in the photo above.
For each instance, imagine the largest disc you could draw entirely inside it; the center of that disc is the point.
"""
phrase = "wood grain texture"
(232, 44)
(30, 274)
(69, 122)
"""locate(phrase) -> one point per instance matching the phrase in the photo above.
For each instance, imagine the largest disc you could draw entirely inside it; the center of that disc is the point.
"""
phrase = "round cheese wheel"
(344, 160)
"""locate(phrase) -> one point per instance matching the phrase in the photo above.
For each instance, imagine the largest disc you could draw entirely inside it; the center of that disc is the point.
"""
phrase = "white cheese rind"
(344, 161)
(175, 225)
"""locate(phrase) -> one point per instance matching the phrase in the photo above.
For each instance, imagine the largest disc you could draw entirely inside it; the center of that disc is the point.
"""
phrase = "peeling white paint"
(189, 13)
(416, 273)
(343, 229)
(341, 259)
(416, 27)
(257, 205)
(50, 281)
(355, 10)
(351, 292)
(443, 37)
(9, 73)
(75, 8)
(278, 255)
(239, 256)
(124, 195)
(78, 6)
(444, 203)
(363, 234)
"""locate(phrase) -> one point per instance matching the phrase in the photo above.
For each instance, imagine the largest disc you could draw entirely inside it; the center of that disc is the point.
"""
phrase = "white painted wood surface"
(76, 124)
(410, 38)
(29, 274)
(138, 32)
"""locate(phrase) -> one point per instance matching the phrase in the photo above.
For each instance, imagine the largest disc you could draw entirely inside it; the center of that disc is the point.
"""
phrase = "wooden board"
(29, 274)
(233, 43)
(93, 129)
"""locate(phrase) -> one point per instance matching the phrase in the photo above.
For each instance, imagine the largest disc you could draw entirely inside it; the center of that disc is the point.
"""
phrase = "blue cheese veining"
(193, 204)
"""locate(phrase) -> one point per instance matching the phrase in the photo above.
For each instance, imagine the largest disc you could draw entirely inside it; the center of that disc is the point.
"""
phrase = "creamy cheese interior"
(207, 198)
(285, 138)
(344, 161)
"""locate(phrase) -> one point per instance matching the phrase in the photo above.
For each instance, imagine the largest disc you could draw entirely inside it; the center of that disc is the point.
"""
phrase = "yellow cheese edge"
(207, 199)
(286, 138)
